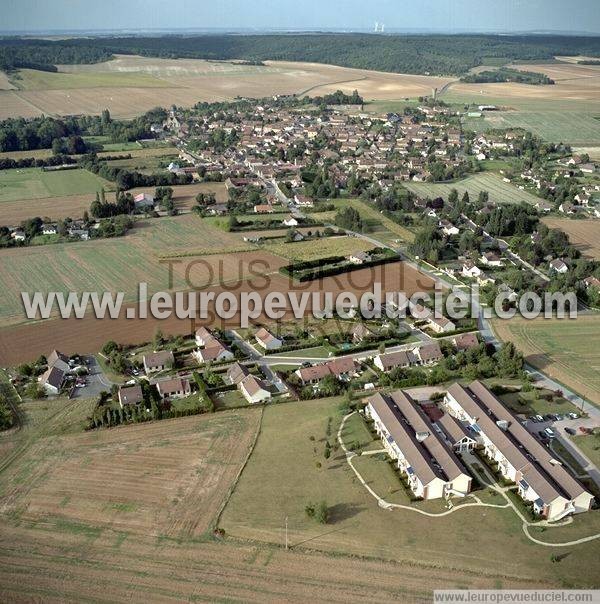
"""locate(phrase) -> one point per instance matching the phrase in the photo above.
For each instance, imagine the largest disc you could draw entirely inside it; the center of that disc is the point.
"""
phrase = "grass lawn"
(287, 470)
(500, 192)
(357, 436)
(321, 352)
(590, 445)
(183, 404)
(34, 183)
(229, 400)
(108, 146)
(379, 226)
(530, 403)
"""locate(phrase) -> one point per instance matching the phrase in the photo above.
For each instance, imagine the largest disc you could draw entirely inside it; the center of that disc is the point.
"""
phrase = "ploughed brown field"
(26, 341)
(584, 234)
(73, 206)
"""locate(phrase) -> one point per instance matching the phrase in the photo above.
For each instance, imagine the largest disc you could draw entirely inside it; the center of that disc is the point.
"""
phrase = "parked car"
(539, 418)
(549, 432)
(532, 418)
(573, 416)
(570, 431)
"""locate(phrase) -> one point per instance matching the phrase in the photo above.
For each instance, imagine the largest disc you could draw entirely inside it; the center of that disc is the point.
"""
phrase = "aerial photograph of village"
(299, 301)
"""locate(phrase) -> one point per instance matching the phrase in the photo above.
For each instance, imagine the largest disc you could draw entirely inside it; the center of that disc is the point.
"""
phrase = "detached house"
(469, 269)
(267, 340)
(130, 395)
(174, 388)
(254, 390)
(391, 360)
(558, 266)
(143, 201)
(158, 361)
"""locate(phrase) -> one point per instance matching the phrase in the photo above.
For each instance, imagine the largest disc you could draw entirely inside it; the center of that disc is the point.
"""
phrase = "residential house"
(263, 209)
(312, 374)
(267, 340)
(558, 266)
(213, 352)
(466, 341)
(359, 257)
(254, 390)
(448, 228)
(391, 360)
(469, 269)
(591, 283)
(361, 332)
(491, 259)
(428, 354)
(236, 373)
(303, 201)
(174, 388)
(203, 336)
(343, 368)
(441, 324)
(130, 395)
(143, 201)
(52, 380)
(290, 221)
(158, 361)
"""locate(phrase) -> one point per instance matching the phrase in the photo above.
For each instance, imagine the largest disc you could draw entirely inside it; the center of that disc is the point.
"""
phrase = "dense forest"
(508, 75)
(440, 54)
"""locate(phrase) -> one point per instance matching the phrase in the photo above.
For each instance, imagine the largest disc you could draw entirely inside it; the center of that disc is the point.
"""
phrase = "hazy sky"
(448, 15)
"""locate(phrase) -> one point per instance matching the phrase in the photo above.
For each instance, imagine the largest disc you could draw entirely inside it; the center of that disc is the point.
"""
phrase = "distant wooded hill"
(394, 53)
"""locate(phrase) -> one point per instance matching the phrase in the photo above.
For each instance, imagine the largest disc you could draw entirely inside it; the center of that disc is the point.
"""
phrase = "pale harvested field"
(36, 154)
(584, 234)
(4, 82)
(186, 81)
(12, 105)
(573, 82)
(237, 273)
(566, 350)
(56, 208)
(593, 152)
(329, 246)
(118, 265)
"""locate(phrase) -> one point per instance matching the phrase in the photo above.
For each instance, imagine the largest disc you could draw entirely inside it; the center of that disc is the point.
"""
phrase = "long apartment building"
(521, 458)
(430, 465)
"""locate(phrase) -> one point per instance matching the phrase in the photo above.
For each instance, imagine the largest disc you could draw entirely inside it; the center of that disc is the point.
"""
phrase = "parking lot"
(94, 383)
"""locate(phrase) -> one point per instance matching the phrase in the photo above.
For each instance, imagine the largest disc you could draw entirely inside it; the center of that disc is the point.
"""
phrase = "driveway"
(96, 381)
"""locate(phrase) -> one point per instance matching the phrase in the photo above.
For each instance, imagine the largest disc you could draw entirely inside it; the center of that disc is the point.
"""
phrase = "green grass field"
(590, 445)
(34, 183)
(500, 192)
(378, 225)
(574, 127)
(321, 352)
(30, 79)
(287, 471)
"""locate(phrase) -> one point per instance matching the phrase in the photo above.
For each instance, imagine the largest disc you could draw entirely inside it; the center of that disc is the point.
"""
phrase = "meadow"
(148, 536)
(34, 183)
(288, 464)
(583, 234)
(564, 349)
(500, 191)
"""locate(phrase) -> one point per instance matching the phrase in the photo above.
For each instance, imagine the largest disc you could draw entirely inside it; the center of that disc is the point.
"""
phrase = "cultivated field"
(34, 183)
(566, 350)
(584, 234)
(500, 192)
(130, 85)
(284, 464)
(328, 246)
(118, 265)
(574, 127)
(244, 272)
(55, 208)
